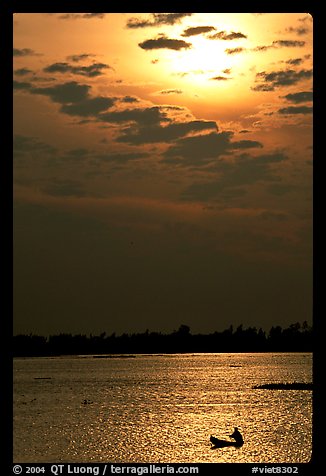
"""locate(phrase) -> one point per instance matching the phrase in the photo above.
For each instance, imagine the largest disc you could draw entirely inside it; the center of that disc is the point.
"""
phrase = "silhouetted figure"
(236, 435)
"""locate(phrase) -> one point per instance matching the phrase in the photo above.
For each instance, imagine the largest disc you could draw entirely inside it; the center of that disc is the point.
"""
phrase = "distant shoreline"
(295, 338)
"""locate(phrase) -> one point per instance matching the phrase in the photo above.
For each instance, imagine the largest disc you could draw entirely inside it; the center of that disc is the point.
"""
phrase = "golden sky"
(162, 170)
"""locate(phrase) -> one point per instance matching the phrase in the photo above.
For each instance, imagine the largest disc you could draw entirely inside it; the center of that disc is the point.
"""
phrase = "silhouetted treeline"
(295, 338)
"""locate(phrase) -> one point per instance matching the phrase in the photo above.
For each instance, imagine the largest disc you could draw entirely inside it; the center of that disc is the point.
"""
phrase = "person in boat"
(236, 435)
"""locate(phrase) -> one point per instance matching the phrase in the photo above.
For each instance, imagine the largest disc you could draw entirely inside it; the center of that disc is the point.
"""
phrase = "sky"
(162, 171)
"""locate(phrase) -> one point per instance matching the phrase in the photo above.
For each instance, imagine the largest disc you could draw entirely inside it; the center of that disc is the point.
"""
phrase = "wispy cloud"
(234, 51)
(302, 96)
(157, 19)
(93, 70)
(197, 30)
(275, 79)
(164, 42)
(24, 52)
(222, 35)
(77, 16)
(296, 110)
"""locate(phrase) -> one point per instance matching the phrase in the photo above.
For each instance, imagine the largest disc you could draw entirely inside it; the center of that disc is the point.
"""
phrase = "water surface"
(161, 408)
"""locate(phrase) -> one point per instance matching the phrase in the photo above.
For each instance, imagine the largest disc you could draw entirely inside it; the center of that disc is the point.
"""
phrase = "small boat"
(236, 435)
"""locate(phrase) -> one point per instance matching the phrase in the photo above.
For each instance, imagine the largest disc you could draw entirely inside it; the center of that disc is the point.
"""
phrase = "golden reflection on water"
(154, 409)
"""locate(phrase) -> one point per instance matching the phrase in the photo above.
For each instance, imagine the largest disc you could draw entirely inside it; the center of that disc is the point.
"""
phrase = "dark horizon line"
(183, 328)
(295, 338)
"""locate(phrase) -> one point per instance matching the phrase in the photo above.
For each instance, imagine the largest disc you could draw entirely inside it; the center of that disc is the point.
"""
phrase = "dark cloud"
(222, 35)
(301, 30)
(88, 106)
(295, 61)
(73, 97)
(25, 144)
(157, 19)
(280, 189)
(220, 78)
(121, 158)
(288, 43)
(65, 188)
(164, 42)
(66, 93)
(203, 148)
(273, 216)
(21, 85)
(144, 116)
(81, 57)
(296, 110)
(280, 44)
(76, 16)
(24, 52)
(129, 99)
(197, 30)
(78, 153)
(246, 144)
(167, 133)
(302, 96)
(171, 91)
(263, 48)
(234, 51)
(23, 71)
(275, 79)
(93, 70)
(245, 170)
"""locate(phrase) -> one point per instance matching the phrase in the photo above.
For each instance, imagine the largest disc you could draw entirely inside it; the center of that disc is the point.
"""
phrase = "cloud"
(301, 30)
(66, 93)
(274, 216)
(164, 42)
(295, 61)
(121, 158)
(280, 44)
(245, 170)
(129, 99)
(21, 85)
(23, 71)
(82, 56)
(73, 97)
(65, 188)
(288, 43)
(302, 96)
(263, 47)
(280, 189)
(170, 132)
(88, 106)
(198, 150)
(76, 16)
(275, 79)
(93, 70)
(296, 110)
(157, 19)
(24, 52)
(145, 116)
(222, 35)
(24, 144)
(219, 78)
(197, 30)
(234, 51)
(171, 91)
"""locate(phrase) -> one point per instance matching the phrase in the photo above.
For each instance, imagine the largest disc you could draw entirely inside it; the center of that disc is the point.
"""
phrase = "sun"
(206, 59)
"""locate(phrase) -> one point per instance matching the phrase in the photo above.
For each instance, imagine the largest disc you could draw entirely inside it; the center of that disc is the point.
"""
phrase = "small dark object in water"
(42, 378)
(236, 435)
(285, 386)
(87, 402)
